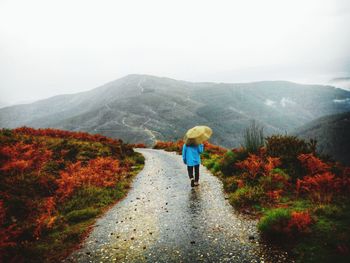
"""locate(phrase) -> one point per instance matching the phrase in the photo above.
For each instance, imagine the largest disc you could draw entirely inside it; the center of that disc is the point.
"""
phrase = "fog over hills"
(142, 108)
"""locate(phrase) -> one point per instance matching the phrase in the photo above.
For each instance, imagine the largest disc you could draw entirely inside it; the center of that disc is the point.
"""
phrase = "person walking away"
(191, 157)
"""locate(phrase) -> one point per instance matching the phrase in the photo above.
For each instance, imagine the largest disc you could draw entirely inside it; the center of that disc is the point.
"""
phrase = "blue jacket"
(191, 154)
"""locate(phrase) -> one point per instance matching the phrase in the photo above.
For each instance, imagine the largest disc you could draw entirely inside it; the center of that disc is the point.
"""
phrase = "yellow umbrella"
(197, 135)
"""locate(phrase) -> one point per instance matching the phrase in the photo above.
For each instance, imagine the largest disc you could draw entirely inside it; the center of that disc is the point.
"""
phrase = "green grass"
(246, 196)
(330, 234)
(272, 223)
(82, 214)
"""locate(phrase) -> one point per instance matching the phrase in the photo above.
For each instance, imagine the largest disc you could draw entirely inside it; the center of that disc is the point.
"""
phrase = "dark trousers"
(196, 172)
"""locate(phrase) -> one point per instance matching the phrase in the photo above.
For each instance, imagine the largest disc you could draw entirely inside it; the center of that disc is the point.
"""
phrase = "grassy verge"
(311, 230)
(53, 186)
(77, 215)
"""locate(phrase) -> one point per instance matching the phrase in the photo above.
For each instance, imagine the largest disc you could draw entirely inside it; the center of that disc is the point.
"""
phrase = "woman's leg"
(190, 174)
(190, 171)
(196, 171)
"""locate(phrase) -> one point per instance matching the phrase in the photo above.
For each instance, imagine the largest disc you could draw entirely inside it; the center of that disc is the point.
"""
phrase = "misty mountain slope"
(280, 106)
(135, 118)
(332, 134)
(146, 108)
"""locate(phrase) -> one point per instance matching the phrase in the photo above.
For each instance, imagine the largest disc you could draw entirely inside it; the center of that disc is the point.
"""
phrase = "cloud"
(55, 47)
(270, 103)
(285, 101)
(347, 100)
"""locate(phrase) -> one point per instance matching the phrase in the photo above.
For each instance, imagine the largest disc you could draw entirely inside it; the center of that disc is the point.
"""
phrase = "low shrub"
(299, 223)
(139, 159)
(205, 154)
(274, 222)
(139, 145)
(247, 196)
(81, 215)
(209, 163)
(230, 184)
(288, 149)
(50, 177)
(282, 223)
(324, 227)
(169, 146)
(92, 197)
(256, 166)
(319, 185)
(227, 163)
(329, 210)
(301, 204)
(241, 154)
(216, 167)
(214, 149)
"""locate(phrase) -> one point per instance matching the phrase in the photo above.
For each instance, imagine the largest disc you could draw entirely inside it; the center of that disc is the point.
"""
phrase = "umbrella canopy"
(197, 135)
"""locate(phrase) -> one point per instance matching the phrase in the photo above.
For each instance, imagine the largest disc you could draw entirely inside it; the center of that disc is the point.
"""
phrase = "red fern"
(8, 234)
(256, 165)
(102, 172)
(271, 163)
(313, 164)
(274, 195)
(299, 222)
(320, 184)
(46, 219)
(320, 187)
(21, 157)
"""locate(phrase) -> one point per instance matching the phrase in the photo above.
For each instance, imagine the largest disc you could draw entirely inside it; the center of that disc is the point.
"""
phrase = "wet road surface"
(163, 219)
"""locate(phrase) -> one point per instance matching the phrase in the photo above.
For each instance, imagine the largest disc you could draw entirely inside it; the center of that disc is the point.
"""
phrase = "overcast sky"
(65, 46)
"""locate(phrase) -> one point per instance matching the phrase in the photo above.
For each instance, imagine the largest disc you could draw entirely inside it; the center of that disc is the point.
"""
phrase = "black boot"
(192, 182)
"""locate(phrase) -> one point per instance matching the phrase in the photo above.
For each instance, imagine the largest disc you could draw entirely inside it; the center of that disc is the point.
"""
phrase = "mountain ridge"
(147, 108)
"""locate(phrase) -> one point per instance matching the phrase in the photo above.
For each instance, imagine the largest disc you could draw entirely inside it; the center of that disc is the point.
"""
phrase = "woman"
(191, 157)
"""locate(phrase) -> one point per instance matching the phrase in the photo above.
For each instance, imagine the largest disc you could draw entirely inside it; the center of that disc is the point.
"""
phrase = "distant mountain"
(3, 104)
(332, 133)
(145, 108)
(343, 82)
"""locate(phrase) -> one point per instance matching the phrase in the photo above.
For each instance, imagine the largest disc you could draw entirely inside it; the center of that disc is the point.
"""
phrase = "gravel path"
(164, 220)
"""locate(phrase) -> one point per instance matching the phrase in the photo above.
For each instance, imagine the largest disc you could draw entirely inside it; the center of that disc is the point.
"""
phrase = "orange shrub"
(38, 170)
(214, 149)
(256, 166)
(8, 232)
(320, 187)
(313, 164)
(169, 146)
(55, 133)
(299, 222)
(101, 172)
(21, 157)
(46, 219)
(319, 184)
(274, 195)
(138, 145)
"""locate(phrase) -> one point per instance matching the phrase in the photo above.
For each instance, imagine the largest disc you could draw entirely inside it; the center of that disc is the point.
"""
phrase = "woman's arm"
(184, 153)
(200, 148)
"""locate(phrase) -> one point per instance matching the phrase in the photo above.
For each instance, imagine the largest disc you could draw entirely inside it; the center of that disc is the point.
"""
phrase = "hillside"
(144, 108)
(332, 133)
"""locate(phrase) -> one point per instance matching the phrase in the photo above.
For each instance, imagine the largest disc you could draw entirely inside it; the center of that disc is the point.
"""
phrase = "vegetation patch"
(301, 198)
(53, 186)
